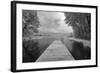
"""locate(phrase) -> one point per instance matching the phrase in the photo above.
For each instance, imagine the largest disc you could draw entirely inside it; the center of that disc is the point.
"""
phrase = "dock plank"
(57, 51)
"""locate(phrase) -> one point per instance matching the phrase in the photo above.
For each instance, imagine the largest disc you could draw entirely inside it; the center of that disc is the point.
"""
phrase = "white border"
(37, 65)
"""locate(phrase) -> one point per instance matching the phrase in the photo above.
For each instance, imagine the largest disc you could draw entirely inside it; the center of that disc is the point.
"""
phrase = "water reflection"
(32, 49)
(80, 52)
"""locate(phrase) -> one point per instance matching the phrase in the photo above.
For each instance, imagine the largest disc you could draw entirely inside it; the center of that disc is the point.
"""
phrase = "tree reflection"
(30, 51)
(80, 52)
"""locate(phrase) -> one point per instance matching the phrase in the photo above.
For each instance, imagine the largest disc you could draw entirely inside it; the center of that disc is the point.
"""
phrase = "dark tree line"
(81, 24)
(30, 22)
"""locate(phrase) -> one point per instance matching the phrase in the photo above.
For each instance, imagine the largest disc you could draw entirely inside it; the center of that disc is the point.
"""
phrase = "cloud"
(53, 22)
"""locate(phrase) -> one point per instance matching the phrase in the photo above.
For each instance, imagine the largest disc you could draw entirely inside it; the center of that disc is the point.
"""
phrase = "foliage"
(30, 22)
(81, 24)
(30, 25)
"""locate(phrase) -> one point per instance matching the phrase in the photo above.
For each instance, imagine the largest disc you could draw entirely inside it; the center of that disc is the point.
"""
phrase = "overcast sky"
(53, 22)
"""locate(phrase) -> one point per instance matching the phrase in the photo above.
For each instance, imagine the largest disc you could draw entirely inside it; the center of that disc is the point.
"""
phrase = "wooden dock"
(57, 51)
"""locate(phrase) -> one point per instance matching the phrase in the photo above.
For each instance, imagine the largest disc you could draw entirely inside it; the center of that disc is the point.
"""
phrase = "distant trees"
(30, 22)
(81, 24)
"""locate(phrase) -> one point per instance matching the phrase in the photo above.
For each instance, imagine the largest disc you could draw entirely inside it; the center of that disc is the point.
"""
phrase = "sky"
(53, 22)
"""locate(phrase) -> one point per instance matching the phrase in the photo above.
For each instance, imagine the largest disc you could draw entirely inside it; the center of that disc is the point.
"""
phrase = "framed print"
(47, 36)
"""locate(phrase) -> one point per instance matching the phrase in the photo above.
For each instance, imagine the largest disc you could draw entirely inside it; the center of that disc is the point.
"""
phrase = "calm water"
(32, 49)
(78, 50)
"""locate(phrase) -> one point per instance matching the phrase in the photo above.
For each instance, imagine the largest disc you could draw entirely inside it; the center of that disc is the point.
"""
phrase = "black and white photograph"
(55, 36)
(48, 36)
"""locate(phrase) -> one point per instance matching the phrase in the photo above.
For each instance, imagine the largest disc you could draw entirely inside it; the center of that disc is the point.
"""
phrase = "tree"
(81, 24)
(30, 22)
(30, 25)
